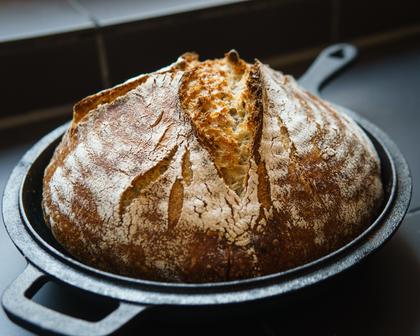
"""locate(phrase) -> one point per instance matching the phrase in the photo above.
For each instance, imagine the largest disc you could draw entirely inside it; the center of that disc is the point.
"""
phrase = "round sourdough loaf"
(209, 171)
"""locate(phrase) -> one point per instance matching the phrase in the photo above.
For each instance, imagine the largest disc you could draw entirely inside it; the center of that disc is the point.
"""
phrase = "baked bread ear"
(209, 171)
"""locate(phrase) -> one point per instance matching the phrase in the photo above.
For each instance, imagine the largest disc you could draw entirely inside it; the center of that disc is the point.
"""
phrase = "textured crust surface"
(209, 171)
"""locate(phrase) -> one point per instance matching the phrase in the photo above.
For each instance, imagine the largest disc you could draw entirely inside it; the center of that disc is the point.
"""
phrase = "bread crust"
(209, 171)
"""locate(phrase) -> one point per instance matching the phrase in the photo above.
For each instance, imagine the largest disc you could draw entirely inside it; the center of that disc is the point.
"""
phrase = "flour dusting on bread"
(209, 171)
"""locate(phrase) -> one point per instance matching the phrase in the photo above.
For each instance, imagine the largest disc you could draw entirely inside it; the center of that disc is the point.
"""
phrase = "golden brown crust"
(215, 98)
(209, 171)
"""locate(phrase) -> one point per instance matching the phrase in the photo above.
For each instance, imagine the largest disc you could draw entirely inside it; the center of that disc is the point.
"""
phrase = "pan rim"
(218, 292)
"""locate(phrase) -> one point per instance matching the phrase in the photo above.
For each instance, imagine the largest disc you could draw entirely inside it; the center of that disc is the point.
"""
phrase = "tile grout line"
(103, 60)
(100, 43)
(335, 20)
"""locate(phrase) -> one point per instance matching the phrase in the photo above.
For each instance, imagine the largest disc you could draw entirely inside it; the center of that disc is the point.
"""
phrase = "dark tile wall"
(43, 67)
(360, 17)
(48, 73)
(256, 30)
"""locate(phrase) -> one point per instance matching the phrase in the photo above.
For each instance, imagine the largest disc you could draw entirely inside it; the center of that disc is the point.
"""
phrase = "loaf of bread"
(209, 171)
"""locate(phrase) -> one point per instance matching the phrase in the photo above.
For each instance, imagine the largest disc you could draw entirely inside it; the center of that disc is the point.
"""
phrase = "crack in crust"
(142, 181)
(176, 198)
(187, 172)
(214, 96)
(209, 171)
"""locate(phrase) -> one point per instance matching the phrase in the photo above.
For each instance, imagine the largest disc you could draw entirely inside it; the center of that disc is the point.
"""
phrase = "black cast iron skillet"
(47, 261)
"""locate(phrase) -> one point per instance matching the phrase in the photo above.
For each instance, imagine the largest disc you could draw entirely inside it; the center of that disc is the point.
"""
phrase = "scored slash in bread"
(209, 171)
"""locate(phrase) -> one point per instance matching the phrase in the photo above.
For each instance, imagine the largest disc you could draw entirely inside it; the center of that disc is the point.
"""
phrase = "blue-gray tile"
(20, 19)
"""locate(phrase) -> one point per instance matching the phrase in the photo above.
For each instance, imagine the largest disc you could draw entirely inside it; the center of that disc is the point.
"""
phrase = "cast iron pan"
(48, 262)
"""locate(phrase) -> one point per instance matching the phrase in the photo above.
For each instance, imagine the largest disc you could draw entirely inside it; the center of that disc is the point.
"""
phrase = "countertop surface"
(381, 297)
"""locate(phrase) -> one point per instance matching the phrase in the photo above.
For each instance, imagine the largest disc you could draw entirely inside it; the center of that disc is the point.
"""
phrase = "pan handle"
(21, 309)
(329, 62)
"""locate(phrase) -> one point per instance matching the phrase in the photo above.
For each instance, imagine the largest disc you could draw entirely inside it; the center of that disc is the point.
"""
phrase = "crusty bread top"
(215, 164)
(216, 97)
